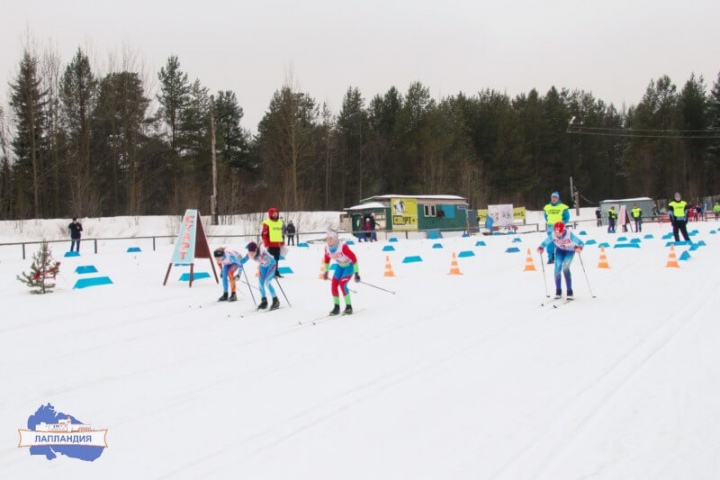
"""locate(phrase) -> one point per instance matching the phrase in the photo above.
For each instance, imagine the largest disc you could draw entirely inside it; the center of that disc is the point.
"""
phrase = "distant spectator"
(75, 234)
(699, 212)
(716, 209)
(290, 231)
(370, 228)
(598, 217)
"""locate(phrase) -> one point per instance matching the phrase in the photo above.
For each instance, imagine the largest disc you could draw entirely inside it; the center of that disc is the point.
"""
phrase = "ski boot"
(335, 310)
(551, 260)
(275, 304)
(263, 304)
(558, 293)
(233, 297)
(223, 298)
(569, 294)
(348, 310)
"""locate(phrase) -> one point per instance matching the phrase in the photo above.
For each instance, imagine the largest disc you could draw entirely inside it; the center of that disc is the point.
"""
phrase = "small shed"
(354, 217)
(645, 204)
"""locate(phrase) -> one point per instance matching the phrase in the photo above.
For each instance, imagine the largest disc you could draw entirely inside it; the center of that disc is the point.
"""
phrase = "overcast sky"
(612, 49)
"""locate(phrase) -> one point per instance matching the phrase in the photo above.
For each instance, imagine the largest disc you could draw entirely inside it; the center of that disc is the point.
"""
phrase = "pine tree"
(27, 103)
(43, 267)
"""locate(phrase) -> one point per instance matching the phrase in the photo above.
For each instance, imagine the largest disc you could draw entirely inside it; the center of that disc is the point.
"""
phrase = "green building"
(427, 214)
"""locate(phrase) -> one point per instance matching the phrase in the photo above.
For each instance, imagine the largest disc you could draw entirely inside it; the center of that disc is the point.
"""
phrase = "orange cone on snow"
(454, 267)
(257, 272)
(388, 268)
(603, 259)
(322, 270)
(672, 259)
(529, 264)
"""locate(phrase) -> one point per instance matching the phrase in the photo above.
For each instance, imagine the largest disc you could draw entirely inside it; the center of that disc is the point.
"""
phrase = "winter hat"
(251, 247)
(219, 252)
(332, 234)
(559, 228)
(555, 195)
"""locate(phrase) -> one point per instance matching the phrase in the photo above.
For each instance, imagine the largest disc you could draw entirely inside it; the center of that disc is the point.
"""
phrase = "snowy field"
(452, 377)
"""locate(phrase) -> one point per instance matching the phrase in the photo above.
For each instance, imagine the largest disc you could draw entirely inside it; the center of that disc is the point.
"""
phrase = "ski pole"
(586, 277)
(248, 284)
(375, 286)
(542, 264)
(283, 292)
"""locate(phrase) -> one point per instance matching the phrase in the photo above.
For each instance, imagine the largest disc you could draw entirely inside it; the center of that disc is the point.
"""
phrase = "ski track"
(287, 428)
(142, 336)
(583, 409)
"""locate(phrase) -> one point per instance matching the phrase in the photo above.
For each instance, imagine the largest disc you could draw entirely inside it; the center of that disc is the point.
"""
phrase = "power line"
(640, 133)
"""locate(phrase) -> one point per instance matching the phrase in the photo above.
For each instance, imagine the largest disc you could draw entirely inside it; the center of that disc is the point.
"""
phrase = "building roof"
(637, 199)
(366, 206)
(418, 197)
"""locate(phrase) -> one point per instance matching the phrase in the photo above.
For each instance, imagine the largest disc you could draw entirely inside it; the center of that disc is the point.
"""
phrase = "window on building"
(430, 211)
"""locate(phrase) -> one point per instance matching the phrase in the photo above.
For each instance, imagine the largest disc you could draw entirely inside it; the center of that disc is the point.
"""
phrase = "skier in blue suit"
(566, 244)
(555, 211)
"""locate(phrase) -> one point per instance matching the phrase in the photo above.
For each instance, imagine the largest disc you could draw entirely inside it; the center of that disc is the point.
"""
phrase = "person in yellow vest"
(272, 235)
(612, 218)
(555, 211)
(716, 209)
(678, 217)
(636, 213)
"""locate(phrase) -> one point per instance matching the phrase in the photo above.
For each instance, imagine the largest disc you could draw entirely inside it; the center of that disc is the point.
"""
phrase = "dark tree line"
(75, 143)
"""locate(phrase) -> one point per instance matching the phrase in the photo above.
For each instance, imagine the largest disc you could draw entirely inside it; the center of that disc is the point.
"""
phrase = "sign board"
(404, 214)
(191, 243)
(519, 214)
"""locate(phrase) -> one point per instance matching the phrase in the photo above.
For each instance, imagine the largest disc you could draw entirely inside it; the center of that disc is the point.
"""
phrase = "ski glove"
(357, 277)
(325, 275)
(578, 249)
(541, 250)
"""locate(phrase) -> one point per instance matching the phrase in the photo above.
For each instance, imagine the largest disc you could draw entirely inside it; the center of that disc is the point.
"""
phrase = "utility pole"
(213, 197)
(575, 195)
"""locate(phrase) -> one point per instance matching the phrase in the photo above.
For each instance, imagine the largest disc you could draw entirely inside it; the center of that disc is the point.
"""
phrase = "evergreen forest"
(77, 143)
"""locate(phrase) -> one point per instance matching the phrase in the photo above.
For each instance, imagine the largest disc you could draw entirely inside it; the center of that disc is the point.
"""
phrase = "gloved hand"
(541, 250)
(357, 277)
(237, 273)
(325, 275)
(578, 249)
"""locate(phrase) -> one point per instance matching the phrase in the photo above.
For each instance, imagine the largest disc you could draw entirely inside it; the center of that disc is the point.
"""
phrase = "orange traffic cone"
(257, 272)
(322, 270)
(603, 259)
(388, 268)
(672, 259)
(529, 265)
(454, 267)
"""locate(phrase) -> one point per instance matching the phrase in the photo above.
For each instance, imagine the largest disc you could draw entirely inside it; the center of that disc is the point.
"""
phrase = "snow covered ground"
(452, 377)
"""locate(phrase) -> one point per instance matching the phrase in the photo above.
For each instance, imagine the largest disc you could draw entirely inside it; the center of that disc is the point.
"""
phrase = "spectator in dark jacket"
(75, 234)
(290, 231)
